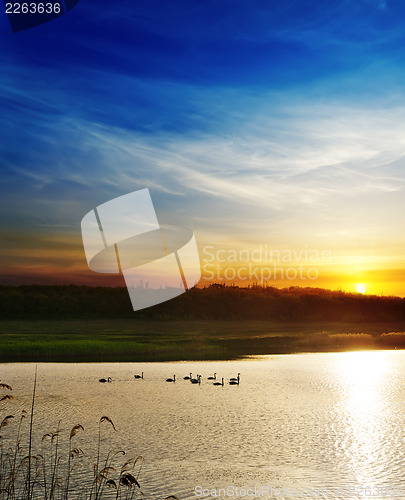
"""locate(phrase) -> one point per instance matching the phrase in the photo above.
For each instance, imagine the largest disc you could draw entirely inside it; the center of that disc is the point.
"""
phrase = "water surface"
(329, 421)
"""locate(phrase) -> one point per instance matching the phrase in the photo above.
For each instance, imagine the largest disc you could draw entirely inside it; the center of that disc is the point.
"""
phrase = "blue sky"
(252, 122)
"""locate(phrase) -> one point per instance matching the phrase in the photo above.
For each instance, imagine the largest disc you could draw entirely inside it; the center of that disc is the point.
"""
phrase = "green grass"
(135, 340)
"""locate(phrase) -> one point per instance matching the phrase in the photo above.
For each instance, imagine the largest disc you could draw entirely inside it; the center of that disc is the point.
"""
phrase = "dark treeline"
(215, 302)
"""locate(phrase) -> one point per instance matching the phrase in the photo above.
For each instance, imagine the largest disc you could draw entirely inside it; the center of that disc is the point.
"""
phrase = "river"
(325, 425)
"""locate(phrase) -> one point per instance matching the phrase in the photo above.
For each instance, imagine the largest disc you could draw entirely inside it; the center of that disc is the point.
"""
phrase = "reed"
(49, 475)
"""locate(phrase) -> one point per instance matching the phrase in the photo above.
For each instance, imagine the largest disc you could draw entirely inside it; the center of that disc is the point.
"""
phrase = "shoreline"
(124, 340)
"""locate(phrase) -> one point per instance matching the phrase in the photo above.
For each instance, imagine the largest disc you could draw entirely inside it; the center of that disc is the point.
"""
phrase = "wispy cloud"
(267, 120)
(309, 155)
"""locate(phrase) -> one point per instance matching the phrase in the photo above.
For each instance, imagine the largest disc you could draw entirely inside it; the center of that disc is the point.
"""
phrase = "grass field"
(135, 340)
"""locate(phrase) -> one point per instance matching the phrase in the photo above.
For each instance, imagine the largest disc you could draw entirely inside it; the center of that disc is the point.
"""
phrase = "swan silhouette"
(171, 379)
(138, 376)
(109, 379)
(187, 378)
(219, 383)
(213, 378)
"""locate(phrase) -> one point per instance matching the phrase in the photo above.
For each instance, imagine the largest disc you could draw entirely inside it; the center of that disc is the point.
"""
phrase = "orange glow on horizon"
(60, 259)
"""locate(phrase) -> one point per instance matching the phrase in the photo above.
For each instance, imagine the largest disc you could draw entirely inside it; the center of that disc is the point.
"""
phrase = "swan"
(219, 383)
(196, 380)
(213, 378)
(233, 379)
(171, 379)
(234, 382)
(188, 378)
(138, 376)
(105, 380)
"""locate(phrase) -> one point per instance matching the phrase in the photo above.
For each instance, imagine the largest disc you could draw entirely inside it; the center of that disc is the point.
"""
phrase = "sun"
(361, 288)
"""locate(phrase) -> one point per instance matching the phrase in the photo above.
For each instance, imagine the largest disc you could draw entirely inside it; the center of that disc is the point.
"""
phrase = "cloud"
(311, 153)
(280, 121)
(298, 155)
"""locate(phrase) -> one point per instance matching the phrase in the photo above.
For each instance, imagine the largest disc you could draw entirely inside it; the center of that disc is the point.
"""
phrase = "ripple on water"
(317, 420)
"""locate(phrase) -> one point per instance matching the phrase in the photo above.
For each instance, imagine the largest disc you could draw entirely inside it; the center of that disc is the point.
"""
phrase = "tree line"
(217, 301)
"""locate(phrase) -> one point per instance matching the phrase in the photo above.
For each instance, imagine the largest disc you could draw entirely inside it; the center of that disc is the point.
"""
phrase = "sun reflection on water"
(365, 411)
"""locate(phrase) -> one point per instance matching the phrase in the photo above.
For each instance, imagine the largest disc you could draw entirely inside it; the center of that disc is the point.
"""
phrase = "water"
(324, 425)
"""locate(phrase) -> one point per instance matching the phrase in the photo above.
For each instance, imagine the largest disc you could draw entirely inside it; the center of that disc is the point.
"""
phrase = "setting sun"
(361, 288)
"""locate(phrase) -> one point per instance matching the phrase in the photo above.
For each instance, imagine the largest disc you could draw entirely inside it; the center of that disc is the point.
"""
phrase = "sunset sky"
(260, 125)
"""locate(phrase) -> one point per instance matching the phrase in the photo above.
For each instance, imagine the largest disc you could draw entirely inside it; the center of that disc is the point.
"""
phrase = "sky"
(264, 126)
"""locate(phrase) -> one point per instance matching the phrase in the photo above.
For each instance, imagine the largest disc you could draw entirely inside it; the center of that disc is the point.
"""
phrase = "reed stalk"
(44, 476)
